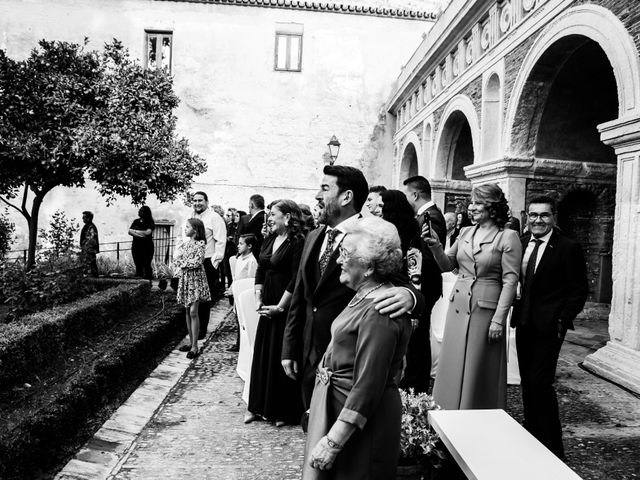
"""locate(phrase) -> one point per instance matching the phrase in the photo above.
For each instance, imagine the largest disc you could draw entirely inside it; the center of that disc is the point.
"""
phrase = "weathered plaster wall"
(259, 130)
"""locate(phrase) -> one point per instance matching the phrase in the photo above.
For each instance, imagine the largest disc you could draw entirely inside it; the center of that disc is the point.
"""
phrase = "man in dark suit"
(318, 296)
(554, 290)
(253, 221)
(417, 373)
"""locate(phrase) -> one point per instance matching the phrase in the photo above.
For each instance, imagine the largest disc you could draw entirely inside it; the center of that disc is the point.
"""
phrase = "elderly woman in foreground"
(354, 425)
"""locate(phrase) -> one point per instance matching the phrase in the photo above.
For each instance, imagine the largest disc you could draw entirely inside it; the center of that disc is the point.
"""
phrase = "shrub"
(110, 267)
(46, 285)
(6, 233)
(59, 238)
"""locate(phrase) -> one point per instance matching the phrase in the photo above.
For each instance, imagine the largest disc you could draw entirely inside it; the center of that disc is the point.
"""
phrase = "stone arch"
(410, 157)
(427, 149)
(602, 27)
(458, 139)
(491, 117)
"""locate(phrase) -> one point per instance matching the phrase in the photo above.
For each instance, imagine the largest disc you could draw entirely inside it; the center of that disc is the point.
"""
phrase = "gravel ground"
(198, 431)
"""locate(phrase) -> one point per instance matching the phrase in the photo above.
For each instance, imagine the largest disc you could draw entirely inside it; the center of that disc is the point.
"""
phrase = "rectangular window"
(158, 49)
(288, 50)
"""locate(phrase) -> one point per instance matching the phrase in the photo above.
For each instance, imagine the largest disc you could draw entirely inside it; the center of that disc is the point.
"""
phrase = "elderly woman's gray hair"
(377, 244)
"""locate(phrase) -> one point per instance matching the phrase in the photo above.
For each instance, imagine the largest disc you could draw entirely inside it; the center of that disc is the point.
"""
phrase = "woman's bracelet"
(333, 444)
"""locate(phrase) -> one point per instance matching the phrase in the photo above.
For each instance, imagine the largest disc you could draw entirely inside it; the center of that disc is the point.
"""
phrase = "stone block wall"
(585, 212)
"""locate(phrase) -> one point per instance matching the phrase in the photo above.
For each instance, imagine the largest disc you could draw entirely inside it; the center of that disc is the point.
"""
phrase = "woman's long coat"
(472, 372)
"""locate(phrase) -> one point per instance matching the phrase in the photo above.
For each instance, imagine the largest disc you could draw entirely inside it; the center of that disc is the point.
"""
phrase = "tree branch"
(24, 198)
(11, 205)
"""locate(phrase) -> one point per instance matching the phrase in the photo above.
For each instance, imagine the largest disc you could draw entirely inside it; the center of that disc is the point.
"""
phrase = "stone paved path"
(186, 421)
(198, 432)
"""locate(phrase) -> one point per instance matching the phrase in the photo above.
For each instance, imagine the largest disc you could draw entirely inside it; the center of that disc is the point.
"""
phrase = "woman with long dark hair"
(393, 206)
(142, 244)
(272, 395)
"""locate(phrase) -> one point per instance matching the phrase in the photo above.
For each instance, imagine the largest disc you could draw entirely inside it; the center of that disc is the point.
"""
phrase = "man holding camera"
(418, 369)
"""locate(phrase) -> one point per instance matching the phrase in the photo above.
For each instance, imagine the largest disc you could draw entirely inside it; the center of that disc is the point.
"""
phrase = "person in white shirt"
(216, 237)
(243, 265)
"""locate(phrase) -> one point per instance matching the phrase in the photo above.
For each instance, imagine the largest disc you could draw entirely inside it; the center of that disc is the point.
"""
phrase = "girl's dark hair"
(295, 222)
(249, 239)
(398, 211)
(198, 226)
(492, 196)
(145, 214)
(242, 213)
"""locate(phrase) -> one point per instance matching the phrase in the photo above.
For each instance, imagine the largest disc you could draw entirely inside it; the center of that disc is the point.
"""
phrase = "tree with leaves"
(68, 115)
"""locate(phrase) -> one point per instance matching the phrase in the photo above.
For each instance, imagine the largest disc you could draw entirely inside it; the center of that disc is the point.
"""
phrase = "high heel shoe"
(249, 417)
(184, 348)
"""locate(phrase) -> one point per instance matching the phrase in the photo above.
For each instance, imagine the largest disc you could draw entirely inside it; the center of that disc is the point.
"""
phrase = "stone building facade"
(263, 86)
(539, 96)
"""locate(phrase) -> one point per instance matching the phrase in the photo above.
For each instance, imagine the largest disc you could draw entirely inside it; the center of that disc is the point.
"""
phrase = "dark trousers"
(307, 374)
(538, 357)
(417, 372)
(204, 308)
(142, 256)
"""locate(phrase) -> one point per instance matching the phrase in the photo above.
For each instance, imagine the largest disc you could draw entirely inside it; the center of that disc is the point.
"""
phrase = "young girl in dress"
(245, 265)
(193, 287)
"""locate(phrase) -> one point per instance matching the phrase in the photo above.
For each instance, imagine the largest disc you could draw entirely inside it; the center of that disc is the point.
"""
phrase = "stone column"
(619, 359)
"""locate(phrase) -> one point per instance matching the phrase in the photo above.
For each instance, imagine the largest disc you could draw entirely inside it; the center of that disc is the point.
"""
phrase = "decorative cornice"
(326, 6)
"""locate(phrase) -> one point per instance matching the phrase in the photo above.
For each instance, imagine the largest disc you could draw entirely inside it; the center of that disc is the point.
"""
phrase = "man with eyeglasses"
(554, 291)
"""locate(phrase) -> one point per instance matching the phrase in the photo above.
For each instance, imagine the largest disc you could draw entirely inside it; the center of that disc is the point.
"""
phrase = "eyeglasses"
(344, 254)
(543, 216)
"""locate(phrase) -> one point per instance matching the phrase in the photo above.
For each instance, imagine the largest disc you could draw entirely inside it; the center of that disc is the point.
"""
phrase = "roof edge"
(324, 6)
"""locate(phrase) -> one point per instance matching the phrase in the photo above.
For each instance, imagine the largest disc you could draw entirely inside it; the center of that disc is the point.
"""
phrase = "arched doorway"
(455, 150)
(409, 163)
(579, 216)
(571, 90)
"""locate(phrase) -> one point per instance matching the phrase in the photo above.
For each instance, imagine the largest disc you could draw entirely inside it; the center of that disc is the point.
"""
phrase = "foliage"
(48, 284)
(68, 115)
(6, 233)
(165, 270)
(110, 267)
(59, 238)
(418, 441)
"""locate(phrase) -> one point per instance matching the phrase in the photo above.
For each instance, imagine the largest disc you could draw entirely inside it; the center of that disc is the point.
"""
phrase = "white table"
(490, 445)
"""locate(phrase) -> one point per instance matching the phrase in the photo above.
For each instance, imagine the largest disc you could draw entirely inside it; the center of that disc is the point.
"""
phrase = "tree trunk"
(33, 230)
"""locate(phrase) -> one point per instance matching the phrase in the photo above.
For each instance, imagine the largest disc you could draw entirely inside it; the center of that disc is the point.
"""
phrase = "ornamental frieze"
(481, 38)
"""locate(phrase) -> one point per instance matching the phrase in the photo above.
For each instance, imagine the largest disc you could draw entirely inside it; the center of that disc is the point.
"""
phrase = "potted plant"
(172, 273)
(161, 271)
(421, 451)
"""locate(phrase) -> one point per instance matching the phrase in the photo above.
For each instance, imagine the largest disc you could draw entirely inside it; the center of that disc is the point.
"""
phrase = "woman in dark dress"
(272, 395)
(354, 422)
(142, 244)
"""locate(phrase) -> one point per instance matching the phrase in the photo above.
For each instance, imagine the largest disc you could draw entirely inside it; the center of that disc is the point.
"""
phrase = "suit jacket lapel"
(489, 237)
(311, 270)
(547, 257)
(464, 242)
(331, 267)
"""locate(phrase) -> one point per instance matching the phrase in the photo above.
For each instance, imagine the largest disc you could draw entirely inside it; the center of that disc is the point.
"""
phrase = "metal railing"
(164, 245)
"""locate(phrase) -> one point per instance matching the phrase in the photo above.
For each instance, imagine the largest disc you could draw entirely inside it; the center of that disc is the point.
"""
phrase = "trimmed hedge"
(41, 440)
(31, 342)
